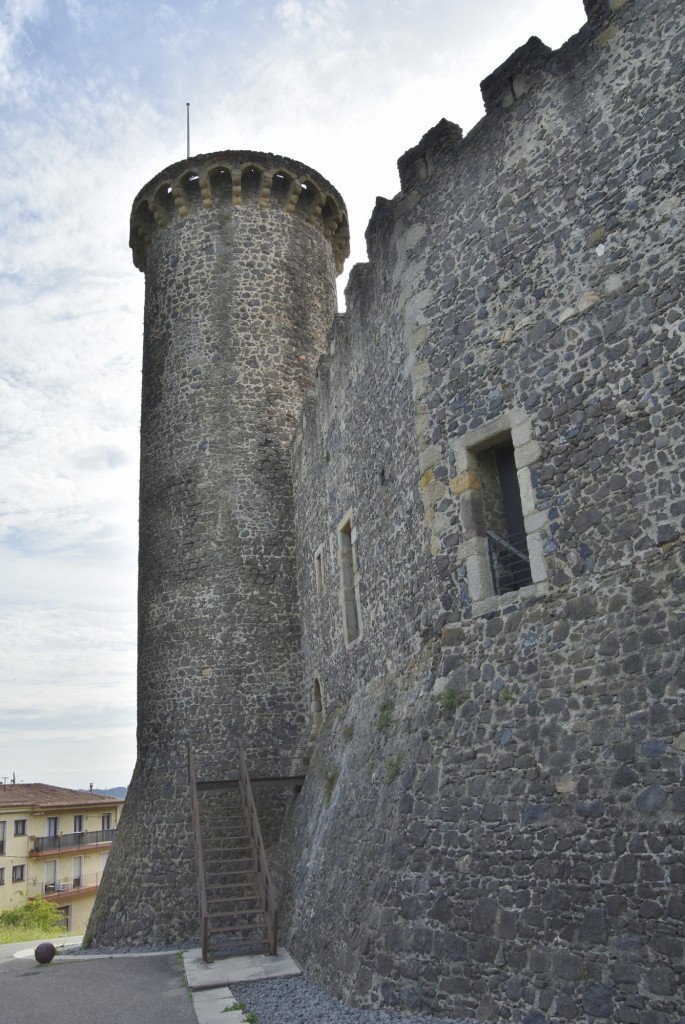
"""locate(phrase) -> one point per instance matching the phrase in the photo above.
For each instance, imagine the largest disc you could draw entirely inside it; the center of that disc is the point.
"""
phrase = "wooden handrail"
(197, 841)
(266, 889)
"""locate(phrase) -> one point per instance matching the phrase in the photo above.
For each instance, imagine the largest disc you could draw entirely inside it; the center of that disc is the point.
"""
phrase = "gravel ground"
(299, 1001)
(291, 1000)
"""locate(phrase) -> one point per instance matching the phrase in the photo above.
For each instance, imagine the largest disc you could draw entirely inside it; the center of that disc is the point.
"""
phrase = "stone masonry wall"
(492, 823)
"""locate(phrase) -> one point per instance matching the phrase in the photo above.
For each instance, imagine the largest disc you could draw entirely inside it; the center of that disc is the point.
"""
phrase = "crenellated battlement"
(236, 178)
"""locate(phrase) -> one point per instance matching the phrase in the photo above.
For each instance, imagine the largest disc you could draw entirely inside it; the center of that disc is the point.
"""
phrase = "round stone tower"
(240, 252)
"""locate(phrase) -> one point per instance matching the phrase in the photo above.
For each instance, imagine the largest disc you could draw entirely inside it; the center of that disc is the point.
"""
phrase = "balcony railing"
(66, 886)
(72, 841)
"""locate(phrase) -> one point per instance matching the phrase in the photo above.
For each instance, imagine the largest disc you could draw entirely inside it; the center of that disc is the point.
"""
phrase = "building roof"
(39, 794)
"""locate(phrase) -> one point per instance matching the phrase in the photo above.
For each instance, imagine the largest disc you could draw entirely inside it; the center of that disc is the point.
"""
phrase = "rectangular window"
(52, 827)
(18, 873)
(78, 823)
(318, 570)
(503, 535)
(3, 837)
(50, 876)
(106, 822)
(20, 826)
(349, 579)
(2, 876)
(77, 872)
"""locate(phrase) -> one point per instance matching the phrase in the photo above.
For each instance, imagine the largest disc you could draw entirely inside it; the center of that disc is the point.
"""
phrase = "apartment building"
(54, 843)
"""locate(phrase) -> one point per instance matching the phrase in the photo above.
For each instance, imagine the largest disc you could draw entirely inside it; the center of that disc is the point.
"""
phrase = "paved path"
(109, 990)
(156, 988)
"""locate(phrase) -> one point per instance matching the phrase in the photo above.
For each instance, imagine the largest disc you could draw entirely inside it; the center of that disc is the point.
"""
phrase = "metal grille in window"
(509, 562)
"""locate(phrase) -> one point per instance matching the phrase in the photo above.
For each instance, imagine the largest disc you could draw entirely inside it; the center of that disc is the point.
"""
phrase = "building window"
(2, 876)
(77, 873)
(20, 826)
(50, 876)
(318, 570)
(316, 706)
(78, 823)
(502, 533)
(18, 873)
(349, 579)
(52, 827)
(3, 837)
(106, 822)
(503, 518)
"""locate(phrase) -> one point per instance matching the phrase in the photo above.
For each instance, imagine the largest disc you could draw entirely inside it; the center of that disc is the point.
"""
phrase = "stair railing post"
(264, 878)
(199, 862)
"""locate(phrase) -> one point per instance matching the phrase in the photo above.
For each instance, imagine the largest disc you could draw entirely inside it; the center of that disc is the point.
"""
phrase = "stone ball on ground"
(45, 951)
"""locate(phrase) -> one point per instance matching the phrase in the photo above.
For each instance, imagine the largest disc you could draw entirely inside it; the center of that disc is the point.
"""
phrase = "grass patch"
(332, 776)
(34, 919)
(251, 1017)
(385, 715)
(449, 700)
(233, 1006)
(393, 766)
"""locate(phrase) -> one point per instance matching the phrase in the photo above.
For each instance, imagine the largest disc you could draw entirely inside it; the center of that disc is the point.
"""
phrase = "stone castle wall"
(492, 824)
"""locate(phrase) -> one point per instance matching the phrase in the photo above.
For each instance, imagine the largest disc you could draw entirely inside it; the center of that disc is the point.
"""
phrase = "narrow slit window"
(347, 536)
(318, 570)
(316, 706)
(504, 525)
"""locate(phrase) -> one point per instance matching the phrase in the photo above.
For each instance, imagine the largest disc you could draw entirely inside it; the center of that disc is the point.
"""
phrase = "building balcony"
(45, 845)
(66, 888)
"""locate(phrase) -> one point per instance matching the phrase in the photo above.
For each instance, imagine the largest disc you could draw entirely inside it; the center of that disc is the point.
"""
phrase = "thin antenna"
(188, 130)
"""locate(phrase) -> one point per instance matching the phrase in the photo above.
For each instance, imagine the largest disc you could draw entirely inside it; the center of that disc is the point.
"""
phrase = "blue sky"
(92, 104)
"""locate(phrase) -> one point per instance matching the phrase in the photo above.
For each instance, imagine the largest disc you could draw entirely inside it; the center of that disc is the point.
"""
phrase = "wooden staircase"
(234, 905)
(236, 902)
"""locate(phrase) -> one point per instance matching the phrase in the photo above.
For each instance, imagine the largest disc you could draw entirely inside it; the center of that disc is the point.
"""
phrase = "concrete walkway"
(128, 988)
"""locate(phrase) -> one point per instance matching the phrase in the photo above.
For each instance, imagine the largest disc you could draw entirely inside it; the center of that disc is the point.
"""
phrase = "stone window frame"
(319, 573)
(465, 485)
(349, 577)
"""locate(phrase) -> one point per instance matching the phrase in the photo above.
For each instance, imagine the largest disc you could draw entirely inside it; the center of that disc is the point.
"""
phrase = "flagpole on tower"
(188, 130)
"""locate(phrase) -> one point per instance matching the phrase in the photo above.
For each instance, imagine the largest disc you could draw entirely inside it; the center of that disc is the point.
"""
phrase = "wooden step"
(246, 916)
(241, 852)
(233, 929)
(233, 900)
(248, 892)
